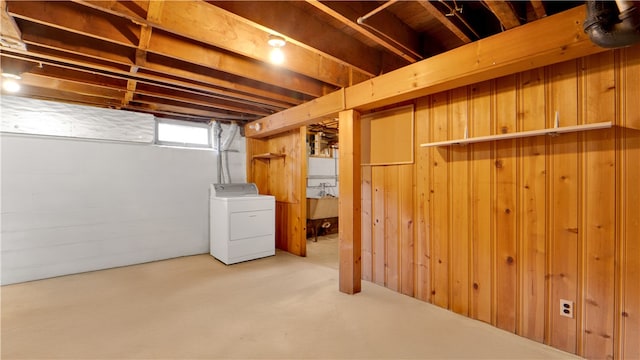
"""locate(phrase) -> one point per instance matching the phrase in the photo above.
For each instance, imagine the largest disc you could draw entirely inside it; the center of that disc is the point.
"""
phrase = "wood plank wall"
(501, 231)
(285, 178)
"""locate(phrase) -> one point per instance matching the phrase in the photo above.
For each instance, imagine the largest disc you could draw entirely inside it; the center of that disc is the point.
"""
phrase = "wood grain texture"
(628, 317)
(367, 225)
(440, 201)
(599, 208)
(506, 229)
(422, 203)
(350, 201)
(391, 227)
(288, 190)
(563, 209)
(459, 211)
(481, 194)
(531, 206)
(379, 214)
(406, 229)
(505, 205)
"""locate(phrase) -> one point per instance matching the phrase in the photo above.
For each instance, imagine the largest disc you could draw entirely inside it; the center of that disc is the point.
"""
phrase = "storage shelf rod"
(521, 134)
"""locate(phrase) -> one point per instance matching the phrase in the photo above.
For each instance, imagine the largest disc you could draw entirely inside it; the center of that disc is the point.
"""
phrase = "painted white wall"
(74, 205)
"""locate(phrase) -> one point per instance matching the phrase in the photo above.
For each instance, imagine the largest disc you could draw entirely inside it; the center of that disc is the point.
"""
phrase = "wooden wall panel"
(422, 202)
(406, 229)
(367, 225)
(563, 207)
(628, 316)
(506, 229)
(460, 204)
(598, 219)
(378, 232)
(505, 207)
(481, 194)
(285, 178)
(531, 206)
(439, 119)
(391, 230)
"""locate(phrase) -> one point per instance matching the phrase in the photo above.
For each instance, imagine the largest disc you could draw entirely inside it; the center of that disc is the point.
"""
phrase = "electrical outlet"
(566, 308)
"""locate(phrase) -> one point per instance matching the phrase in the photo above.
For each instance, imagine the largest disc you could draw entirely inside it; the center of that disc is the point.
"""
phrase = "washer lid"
(233, 190)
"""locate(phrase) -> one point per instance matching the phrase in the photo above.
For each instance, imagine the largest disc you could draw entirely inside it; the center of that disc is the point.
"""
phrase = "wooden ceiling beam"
(153, 13)
(376, 37)
(202, 101)
(544, 42)
(77, 19)
(152, 104)
(10, 34)
(58, 95)
(211, 25)
(538, 8)
(171, 46)
(504, 12)
(158, 42)
(82, 47)
(75, 87)
(444, 20)
(277, 16)
(118, 78)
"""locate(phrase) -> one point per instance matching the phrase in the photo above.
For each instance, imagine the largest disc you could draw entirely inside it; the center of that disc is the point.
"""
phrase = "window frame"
(160, 121)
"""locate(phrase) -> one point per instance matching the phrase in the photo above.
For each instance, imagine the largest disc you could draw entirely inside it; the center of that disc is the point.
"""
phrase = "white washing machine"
(242, 223)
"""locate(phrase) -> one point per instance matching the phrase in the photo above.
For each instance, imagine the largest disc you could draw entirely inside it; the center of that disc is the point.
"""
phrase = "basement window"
(182, 133)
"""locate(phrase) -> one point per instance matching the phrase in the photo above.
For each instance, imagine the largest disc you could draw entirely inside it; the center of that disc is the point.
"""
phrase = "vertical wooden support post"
(350, 201)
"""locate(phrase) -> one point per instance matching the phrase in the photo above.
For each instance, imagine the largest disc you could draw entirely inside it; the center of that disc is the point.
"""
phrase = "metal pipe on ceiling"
(613, 24)
(409, 54)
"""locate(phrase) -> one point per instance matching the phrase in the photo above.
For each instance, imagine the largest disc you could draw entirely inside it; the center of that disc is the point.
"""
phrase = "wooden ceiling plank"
(78, 46)
(128, 96)
(114, 74)
(347, 21)
(504, 12)
(538, 8)
(153, 12)
(53, 83)
(144, 108)
(186, 104)
(10, 34)
(211, 25)
(433, 11)
(70, 97)
(170, 46)
(210, 103)
(229, 63)
(134, 10)
(184, 110)
(40, 35)
(557, 38)
(78, 19)
(277, 15)
(83, 81)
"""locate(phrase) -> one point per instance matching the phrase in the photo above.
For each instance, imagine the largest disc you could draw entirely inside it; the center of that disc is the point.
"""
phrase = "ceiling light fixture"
(276, 55)
(10, 82)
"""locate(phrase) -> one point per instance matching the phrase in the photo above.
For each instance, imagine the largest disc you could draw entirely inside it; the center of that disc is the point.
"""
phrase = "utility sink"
(322, 208)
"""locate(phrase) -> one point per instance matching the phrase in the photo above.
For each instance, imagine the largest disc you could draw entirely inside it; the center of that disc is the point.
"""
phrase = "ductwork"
(613, 24)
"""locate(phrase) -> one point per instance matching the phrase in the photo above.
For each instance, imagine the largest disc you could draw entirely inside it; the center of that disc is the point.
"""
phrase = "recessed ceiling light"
(276, 41)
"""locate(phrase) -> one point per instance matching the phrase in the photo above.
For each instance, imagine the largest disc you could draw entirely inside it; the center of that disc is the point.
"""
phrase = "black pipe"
(610, 28)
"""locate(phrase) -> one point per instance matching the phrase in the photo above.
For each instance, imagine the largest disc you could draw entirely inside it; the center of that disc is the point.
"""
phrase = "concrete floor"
(281, 307)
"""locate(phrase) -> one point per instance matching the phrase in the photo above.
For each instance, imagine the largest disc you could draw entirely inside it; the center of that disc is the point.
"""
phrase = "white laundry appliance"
(242, 223)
